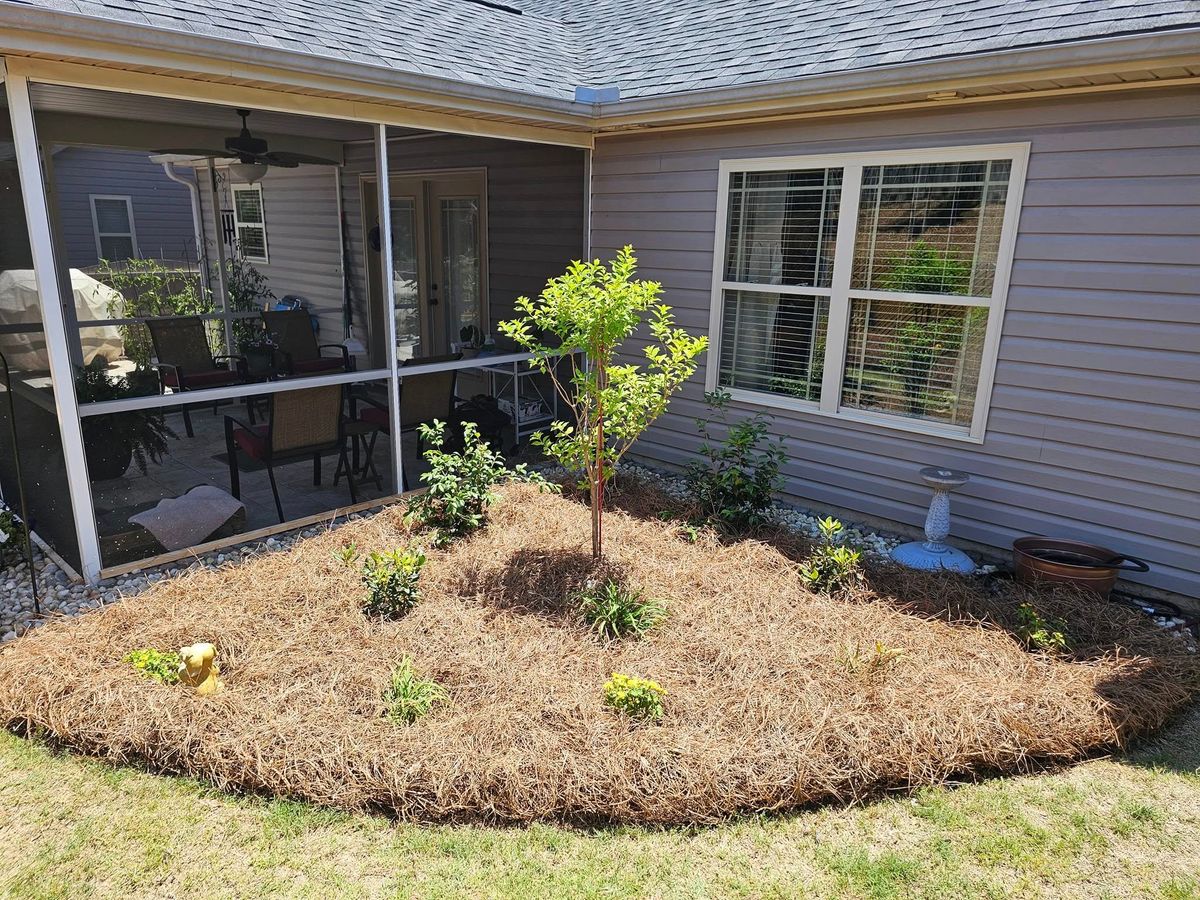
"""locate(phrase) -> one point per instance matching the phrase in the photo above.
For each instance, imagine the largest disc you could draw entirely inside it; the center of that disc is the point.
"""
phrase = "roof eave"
(29, 29)
(874, 84)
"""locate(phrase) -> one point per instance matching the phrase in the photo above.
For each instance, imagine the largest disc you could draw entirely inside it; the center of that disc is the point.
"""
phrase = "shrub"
(391, 578)
(736, 486)
(594, 310)
(613, 610)
(408, 697)
(347, 554)
(637, 697)
(1040, 633)
(832, 566)
(12, 537)
(925, 269)
(161, 665)
(460, 484)
(870, 662)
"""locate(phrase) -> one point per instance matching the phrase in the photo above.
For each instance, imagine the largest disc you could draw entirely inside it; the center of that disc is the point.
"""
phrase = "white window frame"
(131, 233)
(238, 224)
(839, 292)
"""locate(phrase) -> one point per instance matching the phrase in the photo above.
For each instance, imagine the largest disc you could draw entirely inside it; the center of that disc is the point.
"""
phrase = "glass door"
(438, 263)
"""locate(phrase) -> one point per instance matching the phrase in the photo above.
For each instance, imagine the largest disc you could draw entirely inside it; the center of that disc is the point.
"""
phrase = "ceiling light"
(943, 95)
(248, 173)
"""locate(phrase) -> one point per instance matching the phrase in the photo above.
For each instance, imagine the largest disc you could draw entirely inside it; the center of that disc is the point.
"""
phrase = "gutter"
(194, 193)
(946, 72)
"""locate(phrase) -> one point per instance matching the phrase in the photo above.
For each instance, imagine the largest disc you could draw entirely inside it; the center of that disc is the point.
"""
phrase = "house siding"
(1094, 428)
(162, 209)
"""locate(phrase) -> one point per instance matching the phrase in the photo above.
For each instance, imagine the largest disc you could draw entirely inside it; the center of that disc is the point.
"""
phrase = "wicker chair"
(186, 363)
(423, 398)
(301, 424)
(292, 332)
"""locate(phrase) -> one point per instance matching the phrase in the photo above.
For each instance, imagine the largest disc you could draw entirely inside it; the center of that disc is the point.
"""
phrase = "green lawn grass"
(1122, 827)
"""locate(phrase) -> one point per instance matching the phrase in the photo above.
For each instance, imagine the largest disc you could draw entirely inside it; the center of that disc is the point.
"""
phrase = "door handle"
(433, 295)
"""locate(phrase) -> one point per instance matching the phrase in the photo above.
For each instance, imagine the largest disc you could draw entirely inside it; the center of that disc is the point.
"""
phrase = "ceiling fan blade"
(194, 151)
(290, 160)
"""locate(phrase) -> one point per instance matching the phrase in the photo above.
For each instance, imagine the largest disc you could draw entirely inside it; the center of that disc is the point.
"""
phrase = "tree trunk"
(598, 469)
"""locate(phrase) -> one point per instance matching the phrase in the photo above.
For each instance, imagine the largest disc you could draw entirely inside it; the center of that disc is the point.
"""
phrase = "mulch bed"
(764, 709)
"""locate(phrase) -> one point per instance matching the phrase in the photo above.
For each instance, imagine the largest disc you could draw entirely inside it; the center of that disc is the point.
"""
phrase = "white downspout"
(194, 192)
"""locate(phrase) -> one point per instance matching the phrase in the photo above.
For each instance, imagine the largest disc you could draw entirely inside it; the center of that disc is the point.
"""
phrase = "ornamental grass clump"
(613, 610)
(640, 698)
(408, 696)
(160, 665)
(392, 580)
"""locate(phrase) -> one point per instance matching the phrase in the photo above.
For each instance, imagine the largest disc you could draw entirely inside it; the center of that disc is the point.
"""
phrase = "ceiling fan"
(252, 153)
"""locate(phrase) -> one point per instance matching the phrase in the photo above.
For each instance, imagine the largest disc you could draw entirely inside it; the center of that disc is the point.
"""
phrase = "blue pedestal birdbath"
(933, 554)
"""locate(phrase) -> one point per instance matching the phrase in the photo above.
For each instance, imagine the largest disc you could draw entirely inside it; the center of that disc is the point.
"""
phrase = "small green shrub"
(832, 566)
(613, 610)
(1040, 633)
(12, 537)
(868, 663)
(161, 665)
(736, 486)
(637, 697)
(348, 554)
(408, 696)
(460, 484)
(391, 577)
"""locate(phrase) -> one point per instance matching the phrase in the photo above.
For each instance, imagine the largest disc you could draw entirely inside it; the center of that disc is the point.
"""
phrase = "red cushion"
(321, 364)
(373, 415)
(208, 378)
(252, 441)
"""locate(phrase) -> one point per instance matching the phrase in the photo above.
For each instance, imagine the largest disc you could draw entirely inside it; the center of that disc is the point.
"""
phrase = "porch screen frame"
(840, 293)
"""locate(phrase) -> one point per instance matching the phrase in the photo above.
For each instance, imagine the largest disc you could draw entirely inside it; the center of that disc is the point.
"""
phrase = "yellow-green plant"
(832, 566)
(870, 662)
(408, 696)
(347, 554)
(594, 309)
(161, 665)
(637, 697)
(391, 578)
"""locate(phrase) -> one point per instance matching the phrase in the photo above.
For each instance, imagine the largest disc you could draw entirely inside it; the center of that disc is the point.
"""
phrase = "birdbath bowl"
(933, 554)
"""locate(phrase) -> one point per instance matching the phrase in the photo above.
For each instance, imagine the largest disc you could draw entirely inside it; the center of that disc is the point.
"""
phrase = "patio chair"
(304, 423)
(186, 362)
(423, 398)
(293, 335)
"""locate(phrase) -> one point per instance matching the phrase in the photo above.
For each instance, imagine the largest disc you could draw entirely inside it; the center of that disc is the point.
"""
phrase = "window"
(112, 222)
(250, 221)
(867, 286)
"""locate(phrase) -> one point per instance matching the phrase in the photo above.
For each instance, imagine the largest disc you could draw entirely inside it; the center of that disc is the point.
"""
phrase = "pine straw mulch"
(764, 709)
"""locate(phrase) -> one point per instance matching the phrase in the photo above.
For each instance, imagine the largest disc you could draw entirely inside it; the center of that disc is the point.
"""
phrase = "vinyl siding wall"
(1094, 430)
(162, 209)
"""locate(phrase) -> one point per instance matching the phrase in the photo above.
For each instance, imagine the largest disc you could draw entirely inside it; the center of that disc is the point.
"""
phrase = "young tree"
(593, 309)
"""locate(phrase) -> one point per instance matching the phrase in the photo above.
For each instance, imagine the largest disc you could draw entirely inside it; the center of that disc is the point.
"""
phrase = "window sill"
(862, 417)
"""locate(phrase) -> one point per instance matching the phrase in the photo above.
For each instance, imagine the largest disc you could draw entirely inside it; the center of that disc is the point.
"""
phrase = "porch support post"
(62, 372)
(389, 300)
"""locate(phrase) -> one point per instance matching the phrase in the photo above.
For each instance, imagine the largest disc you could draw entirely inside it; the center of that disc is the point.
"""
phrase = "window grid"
(949, 398)
(250, 222)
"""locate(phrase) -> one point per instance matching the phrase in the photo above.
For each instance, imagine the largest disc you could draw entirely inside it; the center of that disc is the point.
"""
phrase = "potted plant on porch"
(112, 442)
